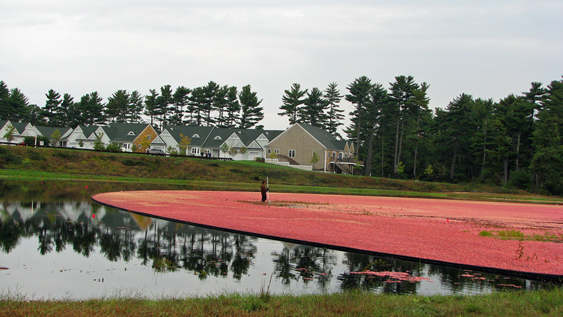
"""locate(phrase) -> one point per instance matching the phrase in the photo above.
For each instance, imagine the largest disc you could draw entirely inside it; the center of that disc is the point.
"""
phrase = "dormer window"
(131, 133)
(218, 138)
(195, 136)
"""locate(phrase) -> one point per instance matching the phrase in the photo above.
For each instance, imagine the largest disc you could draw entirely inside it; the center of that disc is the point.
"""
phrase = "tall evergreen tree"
(291, 102)
(378, 99)
(5, 107)
(151, 106)
(208, 101)
(547, 163)
(359, 94)
(402, 96)
(196, 106)
(118, 106)
(220, 103)
(18, 104)
(135, 107)
(332, 96)
(314, 109)
(67, 104)
(481, 141)
(51, 110)
(92, 109)
(164, 106)
(232, 116)
(251, 112)
(456, 130)
(420, 109)
(180, 98)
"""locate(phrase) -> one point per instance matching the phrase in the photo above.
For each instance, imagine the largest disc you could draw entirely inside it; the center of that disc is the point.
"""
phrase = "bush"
(520, 180)
(13, 159)
(130, 162)
(3, 151)
(35, 155)
(113, 148)
(259, 159)
(44, 139)
(29, 140)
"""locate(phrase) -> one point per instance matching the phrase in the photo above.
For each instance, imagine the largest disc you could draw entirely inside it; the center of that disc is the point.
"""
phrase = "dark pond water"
(55, 243)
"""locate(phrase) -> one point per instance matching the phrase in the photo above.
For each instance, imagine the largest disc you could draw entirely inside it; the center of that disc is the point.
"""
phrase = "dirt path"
(431, 229)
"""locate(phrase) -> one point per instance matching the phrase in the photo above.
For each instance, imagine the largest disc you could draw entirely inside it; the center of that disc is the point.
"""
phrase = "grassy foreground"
(356, 303)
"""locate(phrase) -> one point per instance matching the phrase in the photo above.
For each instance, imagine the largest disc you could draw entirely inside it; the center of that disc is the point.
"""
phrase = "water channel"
(56, 243)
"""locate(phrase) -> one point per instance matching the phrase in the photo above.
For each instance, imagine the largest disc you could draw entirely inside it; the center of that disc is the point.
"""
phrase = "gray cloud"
(488, 49)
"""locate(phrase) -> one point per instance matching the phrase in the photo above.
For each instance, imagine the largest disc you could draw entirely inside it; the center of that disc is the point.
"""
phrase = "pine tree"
(314, 109)
(251, 112)
(334, 113)
(359, 94)
(292, 100)
(232, 109)
(51, 110)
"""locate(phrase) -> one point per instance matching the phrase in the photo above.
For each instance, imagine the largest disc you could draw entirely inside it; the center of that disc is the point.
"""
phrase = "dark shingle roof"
(324, 137)
(197, 134)
(124, 132)
(48, 131)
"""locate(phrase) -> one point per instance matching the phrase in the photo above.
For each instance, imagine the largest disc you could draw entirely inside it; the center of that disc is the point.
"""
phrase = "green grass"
(26, 163)
(355, 303)
(517, 235)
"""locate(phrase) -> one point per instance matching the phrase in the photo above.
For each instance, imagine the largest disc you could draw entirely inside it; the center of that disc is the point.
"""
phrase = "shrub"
(113, 147)
(130, 162)
(259, 159)
(29, 140)
(35, 155)
(3, 151)
(520, 180)
(13, 159)
(64, 154)
(44, 139)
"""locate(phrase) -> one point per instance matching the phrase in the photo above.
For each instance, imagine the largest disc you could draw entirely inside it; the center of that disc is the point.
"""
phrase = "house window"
(127, 146)
(195, 136)
(269, 151)
(149, 137)
(277, 151)
(195, 150)
(218, 138)
(131, 133)
(291, 153)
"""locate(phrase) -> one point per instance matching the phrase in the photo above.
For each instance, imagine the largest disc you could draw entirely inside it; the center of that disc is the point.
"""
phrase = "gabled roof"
(197, 134)
(124, 132)
(88, 130)
(324, 137)
(271, 134)
(20, 126)
(218, 136)
(48, 131)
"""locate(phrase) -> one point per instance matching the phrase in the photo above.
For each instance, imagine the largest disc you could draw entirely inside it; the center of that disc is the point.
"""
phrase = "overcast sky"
(488, 49)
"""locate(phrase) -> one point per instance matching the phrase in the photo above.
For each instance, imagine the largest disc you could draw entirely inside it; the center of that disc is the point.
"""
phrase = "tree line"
(515, 141)
(209, 105)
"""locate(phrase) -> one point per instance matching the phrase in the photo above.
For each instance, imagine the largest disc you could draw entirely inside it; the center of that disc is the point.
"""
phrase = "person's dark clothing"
(263, 189)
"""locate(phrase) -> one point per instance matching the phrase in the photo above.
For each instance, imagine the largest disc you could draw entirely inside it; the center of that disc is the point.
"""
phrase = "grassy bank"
(26, 163)
(357, 303)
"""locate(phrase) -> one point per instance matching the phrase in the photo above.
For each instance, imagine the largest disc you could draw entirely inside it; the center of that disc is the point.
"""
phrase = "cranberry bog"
(523, 240)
